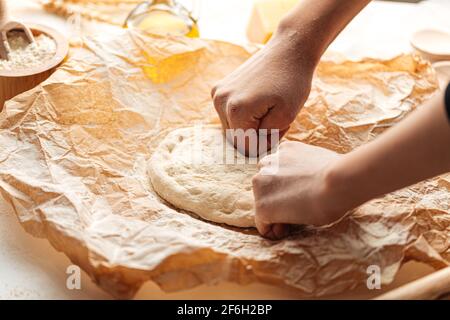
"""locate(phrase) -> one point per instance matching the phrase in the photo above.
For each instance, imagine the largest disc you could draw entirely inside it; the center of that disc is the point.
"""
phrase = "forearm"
(315, 24)
(416, 149)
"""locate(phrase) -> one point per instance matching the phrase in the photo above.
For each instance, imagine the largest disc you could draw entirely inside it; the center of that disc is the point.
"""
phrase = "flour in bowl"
(24, 55)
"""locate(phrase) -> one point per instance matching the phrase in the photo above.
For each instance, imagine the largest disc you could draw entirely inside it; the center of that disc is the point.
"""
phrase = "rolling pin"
(430, 287)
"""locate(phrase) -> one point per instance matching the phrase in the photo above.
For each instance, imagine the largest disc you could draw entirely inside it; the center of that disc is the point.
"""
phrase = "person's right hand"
(268, 90)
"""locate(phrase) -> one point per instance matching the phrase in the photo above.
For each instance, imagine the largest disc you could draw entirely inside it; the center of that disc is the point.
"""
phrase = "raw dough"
(188, 170)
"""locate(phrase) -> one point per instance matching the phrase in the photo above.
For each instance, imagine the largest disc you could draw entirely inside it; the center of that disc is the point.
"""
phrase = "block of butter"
(266, 15)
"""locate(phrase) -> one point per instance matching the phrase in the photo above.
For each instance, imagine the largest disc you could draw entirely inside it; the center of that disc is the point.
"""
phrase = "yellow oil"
(165, 22)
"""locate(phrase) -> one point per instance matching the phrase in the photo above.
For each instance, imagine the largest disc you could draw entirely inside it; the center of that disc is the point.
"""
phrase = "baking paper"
(74, 151)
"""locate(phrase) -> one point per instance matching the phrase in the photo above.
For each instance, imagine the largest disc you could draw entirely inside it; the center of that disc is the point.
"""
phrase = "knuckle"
(213, 91)
(256, 180)
(218, 106)
(266, 161)
(259, 181)
(219, 92)
(234, 107)
(278, 100)
(218, 85)
(261, 164)
(283, 145)
(220, 98)
(255, 183)
(286, 144)
(234, 104)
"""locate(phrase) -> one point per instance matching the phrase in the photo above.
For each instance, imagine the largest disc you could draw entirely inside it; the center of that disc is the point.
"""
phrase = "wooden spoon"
(7, 26)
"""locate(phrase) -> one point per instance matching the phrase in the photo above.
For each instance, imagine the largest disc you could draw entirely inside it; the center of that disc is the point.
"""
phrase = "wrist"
(341, 190)
(297, 43)
(305, 32)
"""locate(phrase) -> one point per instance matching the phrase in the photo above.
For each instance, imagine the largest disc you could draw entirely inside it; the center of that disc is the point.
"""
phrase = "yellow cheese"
(265, 17)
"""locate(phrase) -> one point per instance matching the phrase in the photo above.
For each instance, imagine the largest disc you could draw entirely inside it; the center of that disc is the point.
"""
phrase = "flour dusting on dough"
(189, 170)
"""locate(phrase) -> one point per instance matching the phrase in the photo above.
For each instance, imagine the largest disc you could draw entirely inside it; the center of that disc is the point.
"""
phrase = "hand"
(291, 187)
(268, 90)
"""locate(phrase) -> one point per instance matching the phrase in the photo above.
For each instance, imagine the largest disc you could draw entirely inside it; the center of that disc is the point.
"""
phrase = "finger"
(239, 114)
(273, 138)
(280, 230)
(283, 145)
(267, 228)
(264, 229)
(213, 91)
(278, 118)
(245, 114)
(276, 123)
(219, 101)
(270, 170)
(223, 119)
(303, 217)
(243, 136)
(268, 213)
(275, 231)
(265, 161)
(269, 166)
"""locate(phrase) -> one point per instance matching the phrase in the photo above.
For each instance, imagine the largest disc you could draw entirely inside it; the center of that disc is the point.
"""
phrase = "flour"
(24, 55)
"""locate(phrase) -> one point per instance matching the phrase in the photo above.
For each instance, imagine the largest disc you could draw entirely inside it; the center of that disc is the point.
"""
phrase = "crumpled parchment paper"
(73, 155)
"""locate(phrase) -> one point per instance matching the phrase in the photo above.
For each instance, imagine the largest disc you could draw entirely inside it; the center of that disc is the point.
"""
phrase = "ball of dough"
(197, 170)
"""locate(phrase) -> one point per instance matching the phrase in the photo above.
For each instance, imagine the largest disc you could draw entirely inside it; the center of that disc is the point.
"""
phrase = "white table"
(31, 269)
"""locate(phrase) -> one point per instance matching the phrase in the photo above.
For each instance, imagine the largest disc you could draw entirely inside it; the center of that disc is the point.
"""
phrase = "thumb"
(278, 117)
(274, 231)
(276, 122)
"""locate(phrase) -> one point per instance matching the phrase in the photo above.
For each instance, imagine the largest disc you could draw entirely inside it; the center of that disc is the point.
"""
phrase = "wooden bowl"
(14, 82)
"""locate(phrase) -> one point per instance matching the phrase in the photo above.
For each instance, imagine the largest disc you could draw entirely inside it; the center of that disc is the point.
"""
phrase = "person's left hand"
(291, 187)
